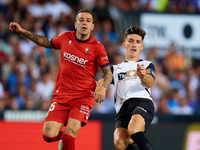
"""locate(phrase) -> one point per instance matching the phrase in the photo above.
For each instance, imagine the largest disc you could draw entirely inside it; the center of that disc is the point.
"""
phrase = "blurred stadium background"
(28, 72)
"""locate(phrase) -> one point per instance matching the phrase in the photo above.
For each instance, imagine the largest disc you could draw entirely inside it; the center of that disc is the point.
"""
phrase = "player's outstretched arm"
(99, 83)
(107, 77)
(40, 40)
(103, 84)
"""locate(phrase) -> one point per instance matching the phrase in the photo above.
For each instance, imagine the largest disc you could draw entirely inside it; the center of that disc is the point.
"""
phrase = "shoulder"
(149, 64)
(68, 33)
(95, 41)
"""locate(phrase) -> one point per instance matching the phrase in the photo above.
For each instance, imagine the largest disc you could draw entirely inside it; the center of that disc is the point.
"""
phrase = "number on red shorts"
(52, 106)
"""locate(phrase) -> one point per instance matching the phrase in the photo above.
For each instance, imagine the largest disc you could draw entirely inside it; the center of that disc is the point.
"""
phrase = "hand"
(15, 26)
(100, 94)
(141, 71)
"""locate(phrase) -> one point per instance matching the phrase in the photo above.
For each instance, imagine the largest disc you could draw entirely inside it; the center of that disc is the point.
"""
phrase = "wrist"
(143, 80)
(103, 88)
(22, 31)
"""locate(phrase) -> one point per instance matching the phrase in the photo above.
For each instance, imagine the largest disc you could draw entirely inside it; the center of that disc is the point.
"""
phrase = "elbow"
(147, 85)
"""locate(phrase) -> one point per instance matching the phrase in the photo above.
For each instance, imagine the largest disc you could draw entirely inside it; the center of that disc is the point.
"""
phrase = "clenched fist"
(141, 71)
(15, 26)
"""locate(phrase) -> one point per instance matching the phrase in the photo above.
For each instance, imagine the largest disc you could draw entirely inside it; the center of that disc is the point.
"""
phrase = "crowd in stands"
(28, 72)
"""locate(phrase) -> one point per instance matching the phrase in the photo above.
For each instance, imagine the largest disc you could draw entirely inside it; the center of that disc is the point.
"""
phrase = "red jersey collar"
(82, 41)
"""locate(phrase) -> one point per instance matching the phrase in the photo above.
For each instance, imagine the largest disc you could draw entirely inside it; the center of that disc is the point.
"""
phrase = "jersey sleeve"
(151, 70)
(101, 56)
(56, 41)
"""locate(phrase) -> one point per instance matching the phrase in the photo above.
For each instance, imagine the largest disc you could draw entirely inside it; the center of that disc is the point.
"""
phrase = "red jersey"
(79, 63)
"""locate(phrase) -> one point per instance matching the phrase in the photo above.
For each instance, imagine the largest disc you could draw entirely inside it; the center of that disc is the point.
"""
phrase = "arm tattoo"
(40, 40)
(107, 76)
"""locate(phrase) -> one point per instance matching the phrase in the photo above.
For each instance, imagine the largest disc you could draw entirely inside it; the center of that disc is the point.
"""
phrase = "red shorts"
(77, 108)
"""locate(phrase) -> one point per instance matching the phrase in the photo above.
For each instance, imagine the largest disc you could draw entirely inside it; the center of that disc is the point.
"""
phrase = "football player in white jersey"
(134, 106)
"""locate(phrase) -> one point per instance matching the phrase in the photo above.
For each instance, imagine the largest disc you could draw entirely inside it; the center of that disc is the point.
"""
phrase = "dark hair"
(135, 30)
(86, 11)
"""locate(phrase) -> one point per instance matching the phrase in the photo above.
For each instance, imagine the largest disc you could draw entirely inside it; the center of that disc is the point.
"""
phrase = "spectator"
(36, 9)
(45, 87)
(88, 4)
(29, 104)
(174, 99)
(107, 32)
(13, 105)
(183, 108)
(101, 10)
(38, 28)
(16, 77)
(3, 27)
(118, 58)
(8, 67)
(162, 106)
(175, 59)
(22, 96)
(160, 86)
(34, 95)
(11, 82)
(43, 64)
(55, 8)
(5, 47)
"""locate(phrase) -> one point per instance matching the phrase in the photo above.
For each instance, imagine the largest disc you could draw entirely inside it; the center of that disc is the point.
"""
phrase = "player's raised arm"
(40, 40)
(102, 85)
(147, 79)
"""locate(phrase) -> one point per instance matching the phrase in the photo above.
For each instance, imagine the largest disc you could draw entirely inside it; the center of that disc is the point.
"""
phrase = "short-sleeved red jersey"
(79, 63)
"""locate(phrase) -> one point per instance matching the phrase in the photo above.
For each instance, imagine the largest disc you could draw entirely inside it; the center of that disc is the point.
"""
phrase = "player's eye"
(130, 41)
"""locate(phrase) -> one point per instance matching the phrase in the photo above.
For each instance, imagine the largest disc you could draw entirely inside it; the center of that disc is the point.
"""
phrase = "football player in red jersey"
(74, 91)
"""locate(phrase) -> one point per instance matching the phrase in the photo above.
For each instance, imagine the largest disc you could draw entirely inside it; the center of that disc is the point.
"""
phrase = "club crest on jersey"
(87, 49)
(119, 67)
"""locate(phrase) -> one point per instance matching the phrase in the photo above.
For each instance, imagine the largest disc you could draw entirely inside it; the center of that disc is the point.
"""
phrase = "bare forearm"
(147, 81)
(107, 77)
(107, 80)
(40, 40)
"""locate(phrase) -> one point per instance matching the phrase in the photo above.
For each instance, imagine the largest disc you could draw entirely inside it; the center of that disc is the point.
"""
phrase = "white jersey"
(127, 83)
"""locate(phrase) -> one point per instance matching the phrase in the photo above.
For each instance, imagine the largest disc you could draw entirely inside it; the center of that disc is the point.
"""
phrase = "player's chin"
(84, 32)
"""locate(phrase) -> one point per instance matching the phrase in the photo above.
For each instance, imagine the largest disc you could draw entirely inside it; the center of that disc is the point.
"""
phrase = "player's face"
(133, 45)
(84, 23)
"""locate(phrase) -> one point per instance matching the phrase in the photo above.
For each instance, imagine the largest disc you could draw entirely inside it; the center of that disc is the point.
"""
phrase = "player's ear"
(92, 26)
(142, 47)
(75, 25)
(123, 44)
